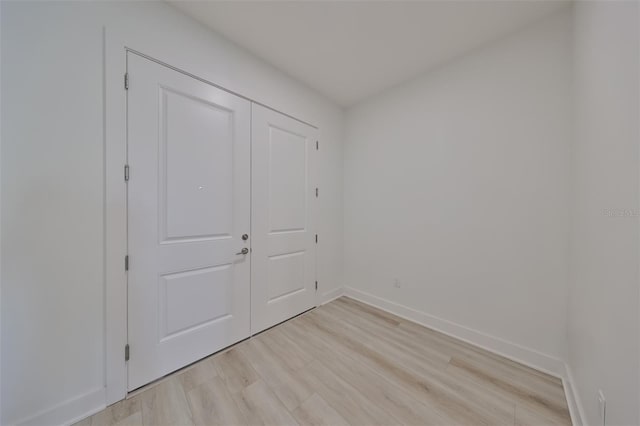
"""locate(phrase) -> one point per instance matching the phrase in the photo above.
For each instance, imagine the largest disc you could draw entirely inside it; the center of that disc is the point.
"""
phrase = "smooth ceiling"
(351, 50)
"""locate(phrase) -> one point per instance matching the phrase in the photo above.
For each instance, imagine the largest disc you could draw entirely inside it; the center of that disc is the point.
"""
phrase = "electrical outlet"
(602, 407)
(396, 283)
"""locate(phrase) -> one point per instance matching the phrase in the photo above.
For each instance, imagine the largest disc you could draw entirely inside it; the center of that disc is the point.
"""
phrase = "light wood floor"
(346, 363)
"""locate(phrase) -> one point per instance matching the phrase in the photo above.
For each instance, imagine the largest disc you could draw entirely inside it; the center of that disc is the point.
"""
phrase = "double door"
(221, 226)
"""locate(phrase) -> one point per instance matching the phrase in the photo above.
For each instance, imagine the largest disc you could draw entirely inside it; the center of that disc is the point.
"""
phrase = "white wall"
(456, 184)
(603, 305)
(53, 187)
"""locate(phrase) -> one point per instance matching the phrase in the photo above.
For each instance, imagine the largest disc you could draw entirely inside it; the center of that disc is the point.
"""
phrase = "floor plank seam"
(346, 363)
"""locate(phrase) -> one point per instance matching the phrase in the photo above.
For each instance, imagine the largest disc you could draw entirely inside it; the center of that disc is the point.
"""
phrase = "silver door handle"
(243, 251)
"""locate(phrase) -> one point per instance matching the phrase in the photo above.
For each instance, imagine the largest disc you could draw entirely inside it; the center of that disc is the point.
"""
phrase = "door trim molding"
(181, 71)
(116, 43)
(115, 216)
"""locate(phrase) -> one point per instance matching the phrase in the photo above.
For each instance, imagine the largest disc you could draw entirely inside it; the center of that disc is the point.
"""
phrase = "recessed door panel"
(194, 299)
(283, 224)
(287, 181)
(188, 206)
(196, 167)
(285, 275)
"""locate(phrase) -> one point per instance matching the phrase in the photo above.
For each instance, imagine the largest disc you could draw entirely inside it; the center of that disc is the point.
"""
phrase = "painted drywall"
(456, 186)
(603, 319)
(53, 184)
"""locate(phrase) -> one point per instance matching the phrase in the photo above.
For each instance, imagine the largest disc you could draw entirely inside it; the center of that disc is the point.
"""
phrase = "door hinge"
(126, 352)
(126, 263)
(126, 173)
(317, 145)
(316, 238)
(316, 192)
(316, 285)
(126, 81)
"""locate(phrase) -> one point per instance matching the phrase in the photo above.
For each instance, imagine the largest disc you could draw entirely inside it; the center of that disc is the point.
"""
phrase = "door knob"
(243, 251)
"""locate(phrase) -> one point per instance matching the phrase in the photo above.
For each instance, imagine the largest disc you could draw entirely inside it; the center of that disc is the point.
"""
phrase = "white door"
(189, 205)
(283, 270)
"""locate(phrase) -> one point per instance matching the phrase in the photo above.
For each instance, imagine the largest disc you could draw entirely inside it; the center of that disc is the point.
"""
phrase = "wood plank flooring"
(347, 363)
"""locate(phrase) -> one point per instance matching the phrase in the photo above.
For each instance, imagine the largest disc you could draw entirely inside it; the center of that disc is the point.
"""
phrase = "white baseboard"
(331, 295)
(529, 357)
(69, 411)
(78, 408)
(513, 351)
(573, 399)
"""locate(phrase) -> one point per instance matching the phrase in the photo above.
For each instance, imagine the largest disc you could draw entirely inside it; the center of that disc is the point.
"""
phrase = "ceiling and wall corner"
(351, 50)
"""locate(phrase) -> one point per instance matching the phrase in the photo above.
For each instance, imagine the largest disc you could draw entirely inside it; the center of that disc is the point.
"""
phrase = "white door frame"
(116, 43)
